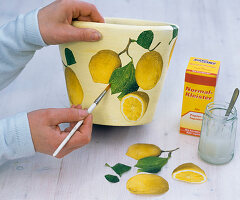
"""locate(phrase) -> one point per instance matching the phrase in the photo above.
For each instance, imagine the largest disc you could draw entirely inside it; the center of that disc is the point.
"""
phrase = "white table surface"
(208, 29)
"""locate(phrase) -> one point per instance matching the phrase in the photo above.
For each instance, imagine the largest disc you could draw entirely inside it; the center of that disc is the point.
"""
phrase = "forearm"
(19, 39)
(15, 138)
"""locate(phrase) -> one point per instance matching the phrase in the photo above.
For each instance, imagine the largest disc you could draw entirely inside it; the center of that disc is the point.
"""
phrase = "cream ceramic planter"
(133, 56)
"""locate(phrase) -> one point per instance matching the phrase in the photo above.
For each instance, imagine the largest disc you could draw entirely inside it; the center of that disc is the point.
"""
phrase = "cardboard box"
(199, 88)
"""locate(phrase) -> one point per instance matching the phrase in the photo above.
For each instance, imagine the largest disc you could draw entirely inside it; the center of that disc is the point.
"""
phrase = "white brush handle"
(90, 109)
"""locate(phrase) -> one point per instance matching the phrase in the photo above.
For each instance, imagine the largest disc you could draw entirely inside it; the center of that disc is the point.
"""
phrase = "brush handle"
(90, 109)
(67, 138)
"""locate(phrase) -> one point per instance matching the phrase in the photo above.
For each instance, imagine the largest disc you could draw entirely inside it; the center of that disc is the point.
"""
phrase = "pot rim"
(111, 22)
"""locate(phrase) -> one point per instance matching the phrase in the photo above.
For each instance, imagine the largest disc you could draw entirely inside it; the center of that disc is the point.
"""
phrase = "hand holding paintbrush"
(90, 109)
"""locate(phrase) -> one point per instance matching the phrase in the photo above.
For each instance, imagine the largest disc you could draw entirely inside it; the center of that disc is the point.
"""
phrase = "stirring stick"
(90, 109)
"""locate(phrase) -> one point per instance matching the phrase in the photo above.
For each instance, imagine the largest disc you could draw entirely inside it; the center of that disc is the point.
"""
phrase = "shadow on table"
(119, 133)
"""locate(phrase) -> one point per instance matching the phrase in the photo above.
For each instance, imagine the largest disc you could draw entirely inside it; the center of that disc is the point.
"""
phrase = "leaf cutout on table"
(112, 178)
(69, 57)
(175, 32)
(119, 168)
(149, 170)
(151, 164)
(123, 80)
(145, 39)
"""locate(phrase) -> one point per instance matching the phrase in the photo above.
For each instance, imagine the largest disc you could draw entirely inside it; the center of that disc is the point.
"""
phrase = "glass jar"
(218, 133)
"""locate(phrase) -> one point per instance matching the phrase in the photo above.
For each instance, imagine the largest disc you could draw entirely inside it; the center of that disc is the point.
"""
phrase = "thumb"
(81, 34)
(65, 115)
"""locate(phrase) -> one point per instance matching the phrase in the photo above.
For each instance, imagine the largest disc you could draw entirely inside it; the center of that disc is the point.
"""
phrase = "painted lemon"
(141, 150)
(147, 184)
(190, 173)
(134, 105)
(74, 88)
(102, 64)
(149, 70)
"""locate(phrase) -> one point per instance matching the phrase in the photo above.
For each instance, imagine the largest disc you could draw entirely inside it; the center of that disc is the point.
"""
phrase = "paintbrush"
(90, 109)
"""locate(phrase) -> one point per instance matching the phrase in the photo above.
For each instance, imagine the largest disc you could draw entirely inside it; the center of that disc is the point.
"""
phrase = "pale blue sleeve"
(19, 39)
(15, 138)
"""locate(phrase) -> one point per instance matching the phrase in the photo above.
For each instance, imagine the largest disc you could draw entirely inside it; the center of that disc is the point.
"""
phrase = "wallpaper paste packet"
(199, 88)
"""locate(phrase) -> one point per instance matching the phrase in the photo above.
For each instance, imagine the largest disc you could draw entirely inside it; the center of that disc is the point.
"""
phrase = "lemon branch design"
(123, 79)
(155, 47)
(106, 67)
(126, 49)
(64, 64)
(144, 40)
(126, 80)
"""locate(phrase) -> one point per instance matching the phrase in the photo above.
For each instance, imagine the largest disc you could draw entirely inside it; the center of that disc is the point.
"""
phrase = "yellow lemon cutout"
(149, 70)
(134, 105)
(147, 184)
(102, 64)
(142, 150)
(190, 173)
(74, 88)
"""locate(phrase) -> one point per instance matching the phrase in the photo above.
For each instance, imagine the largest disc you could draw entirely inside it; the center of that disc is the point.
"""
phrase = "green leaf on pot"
(119, 168)
(132, 87)
(123, 80)
(175, 32)
(69, 57)
(145, 39)
(112, 178)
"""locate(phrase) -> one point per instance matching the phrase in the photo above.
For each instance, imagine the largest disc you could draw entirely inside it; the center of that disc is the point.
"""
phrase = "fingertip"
(101, 20)
(95, 35)
(82, 34)
(89, 119)
(79, 106)
(83, 112)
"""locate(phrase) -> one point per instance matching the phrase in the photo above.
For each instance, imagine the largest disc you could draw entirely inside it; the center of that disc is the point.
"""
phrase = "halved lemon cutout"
(134, 105)
(190, 173)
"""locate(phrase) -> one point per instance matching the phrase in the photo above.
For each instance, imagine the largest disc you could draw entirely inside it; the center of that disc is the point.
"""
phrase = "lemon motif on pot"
(149, 70)
(134, 105)
(102, 64)
(74, 88)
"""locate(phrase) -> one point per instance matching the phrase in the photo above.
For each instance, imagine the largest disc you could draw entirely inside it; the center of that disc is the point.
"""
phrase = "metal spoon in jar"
(229, 109)
(232, 102)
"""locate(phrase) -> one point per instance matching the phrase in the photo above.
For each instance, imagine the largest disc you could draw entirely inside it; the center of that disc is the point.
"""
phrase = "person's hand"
(56, 18)
(47, 136)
